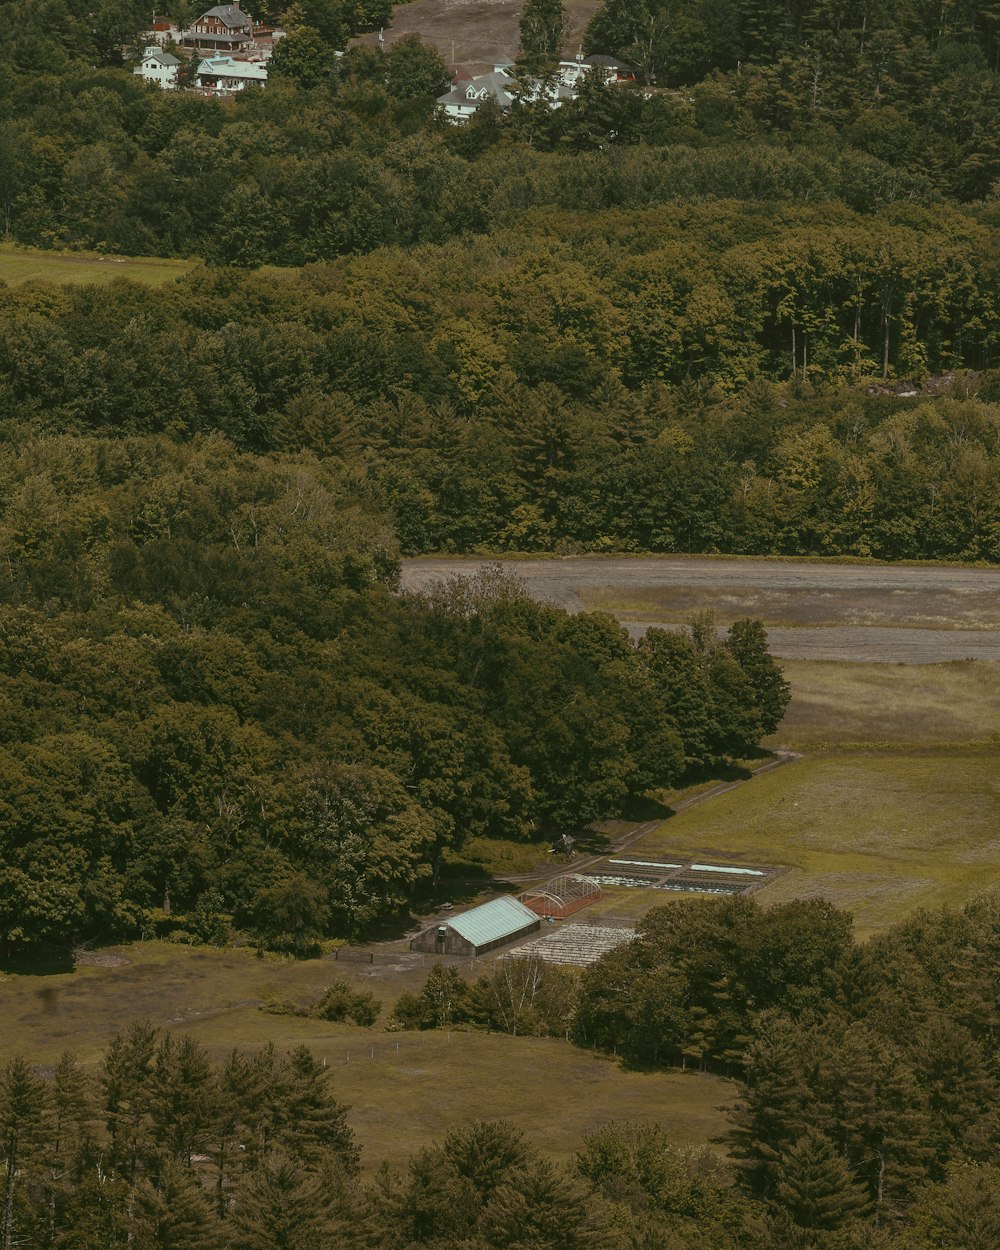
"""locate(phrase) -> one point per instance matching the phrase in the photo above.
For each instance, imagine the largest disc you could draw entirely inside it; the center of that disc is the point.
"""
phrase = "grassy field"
(834, 704)
(404, 1088)
(24, 264)
(878, 833)
(895, 806)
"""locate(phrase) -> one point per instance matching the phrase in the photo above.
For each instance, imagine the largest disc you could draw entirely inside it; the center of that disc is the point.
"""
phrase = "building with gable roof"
(462, 101)
(224, 75)
(465, 98)
(479, 931)
(224, 28)
(159, 67)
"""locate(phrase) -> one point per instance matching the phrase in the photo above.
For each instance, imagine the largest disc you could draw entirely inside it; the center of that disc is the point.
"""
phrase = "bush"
(340, 1002)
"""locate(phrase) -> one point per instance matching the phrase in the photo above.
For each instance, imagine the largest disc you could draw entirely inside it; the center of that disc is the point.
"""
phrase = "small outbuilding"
(479, 931)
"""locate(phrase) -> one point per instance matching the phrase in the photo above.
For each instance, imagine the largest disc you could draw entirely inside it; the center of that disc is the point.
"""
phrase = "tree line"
(623, 404)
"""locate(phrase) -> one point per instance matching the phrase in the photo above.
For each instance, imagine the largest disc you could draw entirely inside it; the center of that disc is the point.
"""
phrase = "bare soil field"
(915, 614)
(474, 33)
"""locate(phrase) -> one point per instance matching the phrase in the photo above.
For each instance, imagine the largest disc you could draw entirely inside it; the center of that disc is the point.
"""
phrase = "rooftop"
(226, 67)
(231, 15)
(493, 921)
(162, 58)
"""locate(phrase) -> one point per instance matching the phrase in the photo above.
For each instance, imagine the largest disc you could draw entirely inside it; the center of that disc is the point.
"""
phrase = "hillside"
(475, 33)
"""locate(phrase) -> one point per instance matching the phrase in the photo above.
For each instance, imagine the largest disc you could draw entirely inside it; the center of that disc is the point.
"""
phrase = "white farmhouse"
(159, 67)
(459, 104)
(224, 75)
(462, 101)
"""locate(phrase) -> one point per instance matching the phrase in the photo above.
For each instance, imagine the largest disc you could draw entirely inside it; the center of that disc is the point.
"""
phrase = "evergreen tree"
(962, 1213)
(815, 1185)
(70, 1132)
(24, 1104)
(173, 1213)
(486, 1152)
(281, 1203)
(316, 1126)
(182, 1097)
(126, 1083)
(540, 1207)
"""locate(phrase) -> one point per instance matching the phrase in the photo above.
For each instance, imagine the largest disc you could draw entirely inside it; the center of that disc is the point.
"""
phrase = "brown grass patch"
(834, 704)
(404, 1089)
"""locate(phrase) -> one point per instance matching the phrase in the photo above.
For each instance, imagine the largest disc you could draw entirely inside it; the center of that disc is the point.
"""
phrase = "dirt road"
(875, 613)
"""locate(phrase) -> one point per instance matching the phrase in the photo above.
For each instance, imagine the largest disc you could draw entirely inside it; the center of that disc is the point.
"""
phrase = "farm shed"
(478, 931)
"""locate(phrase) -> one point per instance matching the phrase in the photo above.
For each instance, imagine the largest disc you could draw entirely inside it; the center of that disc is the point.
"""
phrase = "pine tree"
(882, 1117)
(282, 1204)
(23, 1108)
(961, 1093)
(173, 1213)
(316, 1124)
(126, 1082)
(541, 1207)
(961, 1214)
(70, 1127)
(485, 1152)
(182, 1098)
(815, 1185)
(778, 1104)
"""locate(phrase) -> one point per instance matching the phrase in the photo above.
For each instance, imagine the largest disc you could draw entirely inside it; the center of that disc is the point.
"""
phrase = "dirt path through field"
(813, 611)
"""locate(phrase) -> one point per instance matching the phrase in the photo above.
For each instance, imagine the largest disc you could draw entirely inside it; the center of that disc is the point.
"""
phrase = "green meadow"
(894, 806)
(26, 264)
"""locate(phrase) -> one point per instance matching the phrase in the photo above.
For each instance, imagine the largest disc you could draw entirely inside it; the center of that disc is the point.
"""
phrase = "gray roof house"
(223, 28)
(158, 66)
(461, 102)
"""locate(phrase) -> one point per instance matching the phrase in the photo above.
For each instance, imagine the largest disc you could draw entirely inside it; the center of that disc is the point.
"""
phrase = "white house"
(159, 67)
(224, 74)
(461, 102)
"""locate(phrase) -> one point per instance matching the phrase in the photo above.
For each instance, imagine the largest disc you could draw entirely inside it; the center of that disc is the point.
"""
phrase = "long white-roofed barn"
(479, 931)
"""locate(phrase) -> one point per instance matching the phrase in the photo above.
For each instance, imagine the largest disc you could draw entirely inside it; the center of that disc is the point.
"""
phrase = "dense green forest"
(648, 320)
(868, 1118)
(527, 414)
(213, 701)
